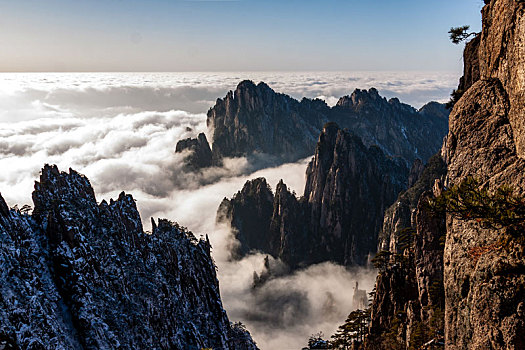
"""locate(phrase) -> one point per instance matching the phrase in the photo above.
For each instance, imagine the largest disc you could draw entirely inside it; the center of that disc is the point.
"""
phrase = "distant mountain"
(255, 119)
(80, 275)
(348, 187)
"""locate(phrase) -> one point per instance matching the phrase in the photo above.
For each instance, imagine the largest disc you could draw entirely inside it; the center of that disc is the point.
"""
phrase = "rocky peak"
(250, 212)
(86, 276)
(348, 187)
(435, 109)
(126, 213)
(200, 152)
(4, 209)
(59, 188)
(255, 119)
(323, 158)
(359, 97)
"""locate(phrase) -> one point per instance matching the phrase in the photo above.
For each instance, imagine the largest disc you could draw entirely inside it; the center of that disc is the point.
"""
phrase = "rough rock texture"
(200, 155)
(470, 64)
(415, 172)
(81, 275)
(502, 56)
(408, 305)
(483, 294)
(347, 189)
(487, 140)
(397, 128)
(256, 119)
(401, 214)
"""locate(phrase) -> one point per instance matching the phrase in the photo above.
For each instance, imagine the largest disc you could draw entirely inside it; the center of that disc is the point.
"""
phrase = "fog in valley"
(120, 130)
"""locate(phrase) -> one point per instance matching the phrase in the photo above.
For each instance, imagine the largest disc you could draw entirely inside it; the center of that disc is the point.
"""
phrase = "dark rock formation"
(200, 153)
(81, 275)
(254, 201)
(415, 172)
(408, 307)
(256, 119)
(401, 214)
(397, 128)
(348, 187)
(347, 190)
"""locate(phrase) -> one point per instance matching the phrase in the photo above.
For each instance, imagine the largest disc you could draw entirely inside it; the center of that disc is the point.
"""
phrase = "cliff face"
(77, 274)
(256, 119)
(486, 140)
(397, 128)
(402, 213)
(347, 189)
(480, 273)
(254, 201)
(502, 56)
(407, 310)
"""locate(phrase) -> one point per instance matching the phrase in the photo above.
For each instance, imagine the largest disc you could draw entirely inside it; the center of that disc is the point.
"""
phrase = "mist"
(120, 130)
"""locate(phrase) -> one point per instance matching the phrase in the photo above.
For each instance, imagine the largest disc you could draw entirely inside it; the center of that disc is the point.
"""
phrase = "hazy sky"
(218, 35)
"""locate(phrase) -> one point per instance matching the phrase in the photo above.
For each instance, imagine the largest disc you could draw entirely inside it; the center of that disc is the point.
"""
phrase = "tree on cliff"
(353, 330)
(460, 34)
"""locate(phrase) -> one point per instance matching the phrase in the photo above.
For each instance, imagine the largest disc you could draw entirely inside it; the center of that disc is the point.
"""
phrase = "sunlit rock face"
(482, 294)
(348, 187)
(256, 119)
(486, 140)
(81, 274)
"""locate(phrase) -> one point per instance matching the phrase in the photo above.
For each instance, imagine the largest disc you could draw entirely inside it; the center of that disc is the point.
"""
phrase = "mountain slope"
(348, 187)
(77, 274)
(254, 120)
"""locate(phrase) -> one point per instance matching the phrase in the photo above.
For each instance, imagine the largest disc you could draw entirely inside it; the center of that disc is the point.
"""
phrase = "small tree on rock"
(460, 34)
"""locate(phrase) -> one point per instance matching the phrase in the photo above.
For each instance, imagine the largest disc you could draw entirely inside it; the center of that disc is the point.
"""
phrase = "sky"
(234, 35)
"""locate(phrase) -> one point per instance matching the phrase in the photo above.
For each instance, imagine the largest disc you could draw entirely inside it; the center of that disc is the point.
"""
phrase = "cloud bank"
(120, 130)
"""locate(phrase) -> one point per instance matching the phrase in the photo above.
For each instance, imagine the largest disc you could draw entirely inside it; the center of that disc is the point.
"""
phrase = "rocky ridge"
(348, 187)
(255, 120)
(81, 275)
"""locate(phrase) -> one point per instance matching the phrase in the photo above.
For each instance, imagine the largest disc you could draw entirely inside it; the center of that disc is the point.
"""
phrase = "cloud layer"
(121, 130)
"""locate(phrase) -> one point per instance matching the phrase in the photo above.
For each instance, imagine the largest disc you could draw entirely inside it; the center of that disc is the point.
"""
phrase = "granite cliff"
(81, 275)
(254, 120)
(348, 187)
(484, 296)
(468, 291)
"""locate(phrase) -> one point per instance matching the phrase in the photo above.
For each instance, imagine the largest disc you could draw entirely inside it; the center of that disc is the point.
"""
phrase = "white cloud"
(120, 130)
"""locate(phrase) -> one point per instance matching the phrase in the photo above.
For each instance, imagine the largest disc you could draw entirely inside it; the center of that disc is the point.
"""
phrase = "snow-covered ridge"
(77, 274)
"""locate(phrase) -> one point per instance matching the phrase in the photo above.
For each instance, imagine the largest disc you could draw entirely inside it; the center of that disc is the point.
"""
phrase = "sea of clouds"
(120, 130)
